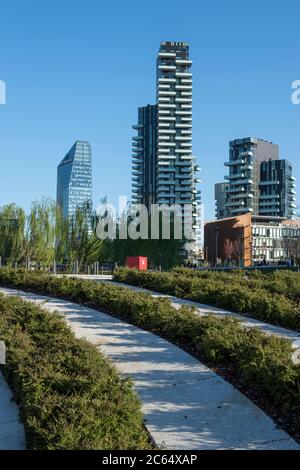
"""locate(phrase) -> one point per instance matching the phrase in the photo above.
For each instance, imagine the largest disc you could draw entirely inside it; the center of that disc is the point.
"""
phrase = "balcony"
(166, 105)
(183, 100)
(244, 195)
(184, 138)
(166, 93)
(166, 118)
(167, 54)
(184, 87)
(167, 80)
(235, 162)
(234, 190)
(183, 126)
(243, 182)
(164, 137)
(242, 209)
(268, 211)
(234, 177)
(183, 112)
(183, 74)
(269, 196)
(182, 150)
(166, 144)
(184, 62)
(235, 204)
(246, 154)
(167, 67)
(269, 183)
(269, 203)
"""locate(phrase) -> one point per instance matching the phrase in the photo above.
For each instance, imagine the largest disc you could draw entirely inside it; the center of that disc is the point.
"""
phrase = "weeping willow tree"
(76, 239)
(12, 233)
(40, 233)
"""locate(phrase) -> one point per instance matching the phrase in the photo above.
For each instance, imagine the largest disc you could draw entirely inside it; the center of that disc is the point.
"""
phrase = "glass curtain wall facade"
(74, 179)
(144, 157)
(277, 189)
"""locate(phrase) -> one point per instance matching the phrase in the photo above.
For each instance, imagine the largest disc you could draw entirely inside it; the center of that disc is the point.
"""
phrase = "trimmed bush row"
(69, 394)
(272, 298)
(261, 363)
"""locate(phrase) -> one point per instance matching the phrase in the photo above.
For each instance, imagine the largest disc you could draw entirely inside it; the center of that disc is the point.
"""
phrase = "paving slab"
(12, 435)
(186, 405)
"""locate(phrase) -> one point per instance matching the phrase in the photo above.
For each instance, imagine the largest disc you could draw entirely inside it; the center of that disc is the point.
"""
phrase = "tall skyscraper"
(164, 169)
(258, 181)
(74, 179)
(176, 168)
(144, 157)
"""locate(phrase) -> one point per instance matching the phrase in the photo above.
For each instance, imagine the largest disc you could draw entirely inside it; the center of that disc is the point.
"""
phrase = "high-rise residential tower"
(176, 168)
(258, 181)
(164, 170)
(74, 179)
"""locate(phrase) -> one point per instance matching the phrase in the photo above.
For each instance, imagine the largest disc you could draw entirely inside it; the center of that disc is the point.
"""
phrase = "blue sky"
(79, 70)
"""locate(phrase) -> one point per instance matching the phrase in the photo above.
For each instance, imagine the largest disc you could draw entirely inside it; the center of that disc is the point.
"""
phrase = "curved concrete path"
(12, 435)
(186, 405)
(203, 309)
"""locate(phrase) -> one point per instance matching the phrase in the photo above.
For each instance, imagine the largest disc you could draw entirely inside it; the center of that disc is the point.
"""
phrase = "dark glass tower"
(277, 189)
(144, 157)
(74, 179)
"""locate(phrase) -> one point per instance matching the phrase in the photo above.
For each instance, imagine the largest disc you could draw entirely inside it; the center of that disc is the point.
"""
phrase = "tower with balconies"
(164, 170)
(176, 167)
(258, 181)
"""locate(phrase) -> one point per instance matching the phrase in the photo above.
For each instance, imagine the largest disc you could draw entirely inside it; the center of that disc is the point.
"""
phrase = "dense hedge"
(70, 396)
(273, 298)
(261, 363)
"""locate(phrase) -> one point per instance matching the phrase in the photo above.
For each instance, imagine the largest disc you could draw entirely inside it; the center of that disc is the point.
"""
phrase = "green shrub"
(261, 363)
(70, 396)
(275, 303)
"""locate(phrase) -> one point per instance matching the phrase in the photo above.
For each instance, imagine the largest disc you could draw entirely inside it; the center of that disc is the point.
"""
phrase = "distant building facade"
(258, 181)
(247, 240)
(74, 179)
(220, 198)
(277, 196)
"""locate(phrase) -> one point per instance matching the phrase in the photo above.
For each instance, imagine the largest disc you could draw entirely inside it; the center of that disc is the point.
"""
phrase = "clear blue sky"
(79, 70)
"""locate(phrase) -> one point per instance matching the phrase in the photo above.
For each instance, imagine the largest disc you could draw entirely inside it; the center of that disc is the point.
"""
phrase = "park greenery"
(44, 235)
(260, 365)
(271, 297)
(70, 396)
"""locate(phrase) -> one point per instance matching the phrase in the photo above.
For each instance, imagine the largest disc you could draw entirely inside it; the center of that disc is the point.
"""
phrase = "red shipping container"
(137, 262)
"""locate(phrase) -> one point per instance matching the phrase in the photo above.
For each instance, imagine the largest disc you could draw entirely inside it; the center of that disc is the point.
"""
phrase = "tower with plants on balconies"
(258, 181)
(164, 170)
